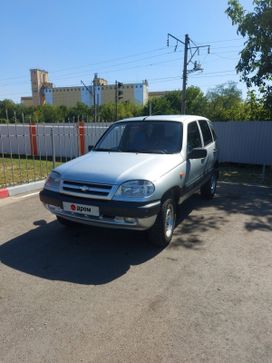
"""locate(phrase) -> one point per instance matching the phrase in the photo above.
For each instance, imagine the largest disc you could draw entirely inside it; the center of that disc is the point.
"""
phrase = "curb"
(20, 189)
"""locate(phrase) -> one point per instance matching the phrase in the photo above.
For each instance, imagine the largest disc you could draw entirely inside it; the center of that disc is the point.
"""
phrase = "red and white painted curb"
(4, 193)
(20, 189)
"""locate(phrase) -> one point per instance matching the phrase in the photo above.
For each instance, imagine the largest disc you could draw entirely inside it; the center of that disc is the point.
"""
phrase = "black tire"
(160, 234)
(208, 189)
(66, 222)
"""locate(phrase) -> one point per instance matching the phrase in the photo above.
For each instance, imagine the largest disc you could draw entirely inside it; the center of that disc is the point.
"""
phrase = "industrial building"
(98, 93)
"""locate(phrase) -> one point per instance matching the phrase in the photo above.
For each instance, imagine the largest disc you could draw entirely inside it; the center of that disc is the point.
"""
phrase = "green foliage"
(256, 108)
(159, 106)
(78, 112)
(107, 112)
(223, 102)
(255, 64)
(170, 103)
(196, 102)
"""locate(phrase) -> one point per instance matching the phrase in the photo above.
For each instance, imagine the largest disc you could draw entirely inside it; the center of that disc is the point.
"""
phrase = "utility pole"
(184, 75)
(116, 102)
(197, 67)
(90, 92)
(94, 96)
(118, 96)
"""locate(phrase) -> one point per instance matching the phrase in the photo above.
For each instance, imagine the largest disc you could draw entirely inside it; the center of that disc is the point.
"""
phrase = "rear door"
(209, 145)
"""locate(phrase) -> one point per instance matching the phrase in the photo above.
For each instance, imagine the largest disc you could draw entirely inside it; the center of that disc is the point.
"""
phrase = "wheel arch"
(173, 193)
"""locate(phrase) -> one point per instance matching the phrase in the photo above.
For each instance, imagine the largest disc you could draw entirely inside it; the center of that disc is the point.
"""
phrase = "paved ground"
(95, 295)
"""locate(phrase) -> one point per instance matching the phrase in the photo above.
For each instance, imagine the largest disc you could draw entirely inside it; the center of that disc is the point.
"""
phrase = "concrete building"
(27, 101)
(157, 94)
(99, 93)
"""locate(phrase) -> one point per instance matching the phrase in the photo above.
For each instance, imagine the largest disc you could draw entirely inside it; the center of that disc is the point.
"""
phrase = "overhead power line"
(192, 48)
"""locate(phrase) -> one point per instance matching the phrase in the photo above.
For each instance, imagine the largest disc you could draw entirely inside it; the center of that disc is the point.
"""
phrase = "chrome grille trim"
(87, 189)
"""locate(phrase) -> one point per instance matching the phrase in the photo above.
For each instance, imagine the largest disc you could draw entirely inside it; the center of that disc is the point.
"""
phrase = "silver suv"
(136, 175)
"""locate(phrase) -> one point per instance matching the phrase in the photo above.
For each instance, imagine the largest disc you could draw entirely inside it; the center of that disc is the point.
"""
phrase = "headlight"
(53, 181)
(135, 189)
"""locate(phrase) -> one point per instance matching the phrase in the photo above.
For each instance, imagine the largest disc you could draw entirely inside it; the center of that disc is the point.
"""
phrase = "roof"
(177, 118)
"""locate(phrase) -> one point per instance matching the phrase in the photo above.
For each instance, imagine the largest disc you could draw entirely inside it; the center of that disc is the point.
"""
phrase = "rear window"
(206, 132)
(213, 131)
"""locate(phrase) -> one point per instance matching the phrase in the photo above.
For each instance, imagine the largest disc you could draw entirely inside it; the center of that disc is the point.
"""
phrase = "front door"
(194, 167)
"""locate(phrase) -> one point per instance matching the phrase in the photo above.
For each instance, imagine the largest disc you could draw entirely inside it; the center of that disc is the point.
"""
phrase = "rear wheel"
(208, 189)
(162, 231)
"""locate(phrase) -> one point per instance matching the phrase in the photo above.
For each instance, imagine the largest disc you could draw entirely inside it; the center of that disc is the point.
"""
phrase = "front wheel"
(208, 189)
(162, 231)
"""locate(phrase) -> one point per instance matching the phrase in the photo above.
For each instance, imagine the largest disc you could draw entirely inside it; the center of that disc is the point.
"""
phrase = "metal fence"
(29, 151)
(248, 142)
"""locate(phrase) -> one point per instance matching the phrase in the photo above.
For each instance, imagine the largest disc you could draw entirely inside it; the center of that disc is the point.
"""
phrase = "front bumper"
(113, 214)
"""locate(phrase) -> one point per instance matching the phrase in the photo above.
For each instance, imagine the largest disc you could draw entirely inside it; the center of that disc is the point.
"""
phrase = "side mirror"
(197, 153)
(90, 147)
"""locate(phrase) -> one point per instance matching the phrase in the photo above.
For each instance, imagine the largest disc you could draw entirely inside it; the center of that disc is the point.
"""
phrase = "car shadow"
(88, 255)
(253, 202)
(82, 254)
(192, 222)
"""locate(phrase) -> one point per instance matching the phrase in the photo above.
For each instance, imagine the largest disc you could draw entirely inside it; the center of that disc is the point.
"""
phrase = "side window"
(206, 132)
(194, 139)
(213, 132)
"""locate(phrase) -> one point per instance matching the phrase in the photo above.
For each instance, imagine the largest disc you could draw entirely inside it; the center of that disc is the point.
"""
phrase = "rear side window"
(206, 132)
(213, 131)
(194, 139)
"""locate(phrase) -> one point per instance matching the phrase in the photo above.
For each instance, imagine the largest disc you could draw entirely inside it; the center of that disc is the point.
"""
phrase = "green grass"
(15, 171)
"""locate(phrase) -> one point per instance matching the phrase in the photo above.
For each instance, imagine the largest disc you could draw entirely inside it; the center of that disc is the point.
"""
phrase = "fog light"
(119, 219)
(53, 208)
(130, 220)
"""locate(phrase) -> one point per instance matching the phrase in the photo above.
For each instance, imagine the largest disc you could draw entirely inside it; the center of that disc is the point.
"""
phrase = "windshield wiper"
(109, 150)
(156, 151)
(152, 151)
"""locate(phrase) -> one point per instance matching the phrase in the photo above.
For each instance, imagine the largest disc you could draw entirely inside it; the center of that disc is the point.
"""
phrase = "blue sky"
(120, 40)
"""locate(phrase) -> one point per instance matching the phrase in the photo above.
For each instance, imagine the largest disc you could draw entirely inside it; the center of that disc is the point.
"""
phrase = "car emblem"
(84, 188)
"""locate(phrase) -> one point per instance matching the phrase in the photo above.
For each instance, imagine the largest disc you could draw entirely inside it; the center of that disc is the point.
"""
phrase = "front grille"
(87, 190)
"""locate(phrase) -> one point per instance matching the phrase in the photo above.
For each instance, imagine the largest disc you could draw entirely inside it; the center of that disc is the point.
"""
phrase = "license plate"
(84, 209)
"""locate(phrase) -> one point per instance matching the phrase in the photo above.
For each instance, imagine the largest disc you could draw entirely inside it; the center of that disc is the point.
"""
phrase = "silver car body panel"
(139, 224)
(98, 174)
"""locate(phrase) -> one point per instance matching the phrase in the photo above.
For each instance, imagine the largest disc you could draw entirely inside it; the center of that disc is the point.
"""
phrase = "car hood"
(116, 167)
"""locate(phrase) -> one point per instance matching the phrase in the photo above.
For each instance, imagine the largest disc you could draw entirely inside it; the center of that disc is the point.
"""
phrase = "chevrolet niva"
(136, 175)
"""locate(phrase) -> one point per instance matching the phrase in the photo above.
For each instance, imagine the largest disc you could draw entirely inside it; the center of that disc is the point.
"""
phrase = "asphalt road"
(91, 295)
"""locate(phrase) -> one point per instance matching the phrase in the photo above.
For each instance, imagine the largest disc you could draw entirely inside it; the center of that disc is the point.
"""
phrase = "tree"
(196, 102)
(107, 112)
(225, 102)
(255, 64)
(255, 108)
(7, 108)
(170, 103)
(159, 106)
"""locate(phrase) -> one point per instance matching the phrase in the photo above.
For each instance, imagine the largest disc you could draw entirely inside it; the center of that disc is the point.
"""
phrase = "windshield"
(158, 137)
